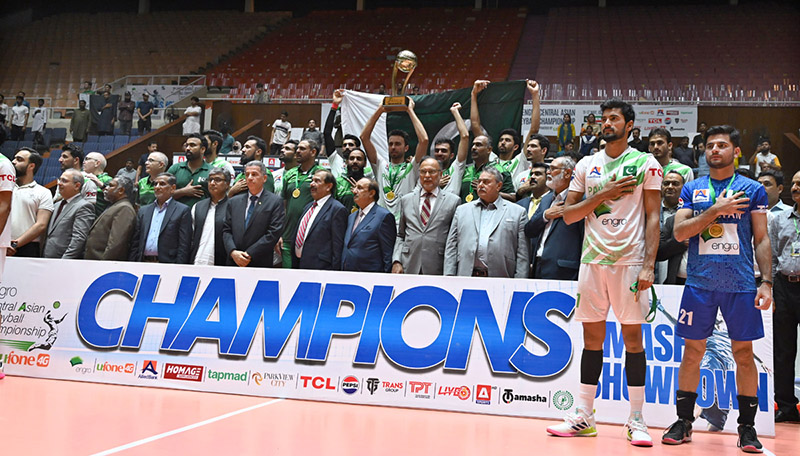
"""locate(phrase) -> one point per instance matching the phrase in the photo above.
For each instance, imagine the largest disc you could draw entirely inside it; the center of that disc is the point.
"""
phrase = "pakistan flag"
(500, 106)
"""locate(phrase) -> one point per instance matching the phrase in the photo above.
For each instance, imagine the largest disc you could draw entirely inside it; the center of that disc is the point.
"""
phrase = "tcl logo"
(654, 121)
(317, 382)
(7, 177)
(656, 171)
(419, 387)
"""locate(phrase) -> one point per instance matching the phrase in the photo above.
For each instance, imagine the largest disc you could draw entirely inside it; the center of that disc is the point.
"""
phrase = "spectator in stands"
(660, 144)
(425, 216)
(19, 119)
(453, 164)
(381, 89)
(68, 227)
(371, 232)
(313, 133)
(144, 113)
(211, 156)
(85, 92)
(163, 231)
(152, 146)
(556, 247)
(261, 96)
(39, 122)
(319, 240)
(31, 208)
(21, 94)
(763, 158)
(108, 115)
(109, 237)
(281, 130)
(537, 147)
(253, 221)
(773, 184)
(227, 140)
(72, 158)
(192, 175)
(155, 164)
(3, 110)
(94, 166)
(591, 122)
(701, 131)
(686, 155)
(253, 150)
(636, 142)
(288, 160)
(395, 177)
(296, 194)
(700, 158)
(588, 142)
(79, 124)
(208, 217)
(566, 131)
(489, 221)
(192, 123)
(672, 255)
(783, 238)
(125, 116)
(415, 90)
(530, 194)
(682, 150)
(128, 171)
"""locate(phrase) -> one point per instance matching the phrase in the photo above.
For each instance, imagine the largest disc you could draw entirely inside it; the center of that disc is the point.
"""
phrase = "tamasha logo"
(24, 359)
(420, 390)
(184, 372)
(509, 397)
(483, 394)
(149, 371)
(127, 368)
(461, 392)
(317, 382)
(350, 385)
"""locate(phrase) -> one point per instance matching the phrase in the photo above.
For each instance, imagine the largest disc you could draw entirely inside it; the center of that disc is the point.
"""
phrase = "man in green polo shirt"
(155, 164)
(660, 145)
(356, 160)
(252, 149)
(296, 194)
(481, 149)
(192, 174)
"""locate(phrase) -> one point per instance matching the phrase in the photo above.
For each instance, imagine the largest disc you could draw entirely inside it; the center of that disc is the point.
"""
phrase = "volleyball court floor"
(65, 418)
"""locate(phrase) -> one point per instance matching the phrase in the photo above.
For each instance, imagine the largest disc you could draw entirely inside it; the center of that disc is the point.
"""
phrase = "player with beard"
(617, 191)
(338, 159)
(289, 161)
(253, 149)
(356, 162)
(453, 165)
(724, 216)
(192, 174)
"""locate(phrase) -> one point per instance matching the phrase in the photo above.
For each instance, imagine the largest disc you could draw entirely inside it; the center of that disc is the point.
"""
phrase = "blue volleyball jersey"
(723, 262)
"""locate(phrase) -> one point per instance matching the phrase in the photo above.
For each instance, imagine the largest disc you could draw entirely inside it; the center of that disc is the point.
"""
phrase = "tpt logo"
(372, 385)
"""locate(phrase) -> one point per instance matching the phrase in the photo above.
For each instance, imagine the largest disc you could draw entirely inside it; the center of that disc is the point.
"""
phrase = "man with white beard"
(558, 249)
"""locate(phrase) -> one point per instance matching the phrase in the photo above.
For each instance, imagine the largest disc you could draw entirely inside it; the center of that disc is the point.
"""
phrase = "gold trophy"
(406, 62)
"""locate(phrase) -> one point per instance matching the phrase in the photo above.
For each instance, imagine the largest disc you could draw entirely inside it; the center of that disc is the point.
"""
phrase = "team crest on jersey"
(700, 195)
(680, 203)
(629, 171)
(595, 172)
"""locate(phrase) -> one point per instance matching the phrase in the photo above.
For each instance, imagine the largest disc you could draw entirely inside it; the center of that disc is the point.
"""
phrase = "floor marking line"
(768, 453)
(185, 428)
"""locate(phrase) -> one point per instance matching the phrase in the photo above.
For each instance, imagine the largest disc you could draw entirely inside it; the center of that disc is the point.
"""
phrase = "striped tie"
(425, 215)
(301, 232)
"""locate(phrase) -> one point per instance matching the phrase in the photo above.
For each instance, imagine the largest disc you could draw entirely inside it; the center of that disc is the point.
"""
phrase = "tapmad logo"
(184, 372)
(700, 195)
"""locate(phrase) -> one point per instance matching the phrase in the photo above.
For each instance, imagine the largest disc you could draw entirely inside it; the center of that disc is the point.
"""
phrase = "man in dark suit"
(253, 221)
(163, 228)
(671, 253)
(74, 214)
(208, 216)
(371, 232)
(557, 252)
(319, 238)
(110, 235)
(425, 216)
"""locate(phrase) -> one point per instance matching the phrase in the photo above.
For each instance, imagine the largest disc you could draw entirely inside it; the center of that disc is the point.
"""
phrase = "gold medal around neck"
(716, 230)
(469, 198)
(390, 196)
(296, 193)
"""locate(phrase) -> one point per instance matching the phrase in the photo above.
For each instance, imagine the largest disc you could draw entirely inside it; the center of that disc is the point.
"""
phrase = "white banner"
(679, 120)
(496, 346)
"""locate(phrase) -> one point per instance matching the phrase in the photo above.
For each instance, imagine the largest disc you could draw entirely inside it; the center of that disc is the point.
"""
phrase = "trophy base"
(395, 103)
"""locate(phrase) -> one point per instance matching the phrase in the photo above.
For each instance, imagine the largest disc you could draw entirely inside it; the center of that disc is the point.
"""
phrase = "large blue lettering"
(329, 322)
(370, 340)
(145, 308)
(221, 294)
(89, 330)
(550, 334)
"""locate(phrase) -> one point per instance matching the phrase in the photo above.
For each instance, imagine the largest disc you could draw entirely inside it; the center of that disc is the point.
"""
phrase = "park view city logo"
(273, 379)
(184, 372)
(149, 371)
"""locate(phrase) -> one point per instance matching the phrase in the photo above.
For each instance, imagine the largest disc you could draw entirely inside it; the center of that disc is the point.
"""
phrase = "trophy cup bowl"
(406, 61)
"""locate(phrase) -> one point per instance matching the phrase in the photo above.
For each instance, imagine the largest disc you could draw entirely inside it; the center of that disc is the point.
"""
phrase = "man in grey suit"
(67, 230)
(163, 228)
(487, 237)
(109, 237)
(425, 216)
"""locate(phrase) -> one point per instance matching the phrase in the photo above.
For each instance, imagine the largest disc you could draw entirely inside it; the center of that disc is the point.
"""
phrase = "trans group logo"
(350, 385)
(563, 400)
(372, 385)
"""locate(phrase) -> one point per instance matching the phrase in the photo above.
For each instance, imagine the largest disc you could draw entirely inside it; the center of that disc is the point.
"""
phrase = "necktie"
(301, 232)
(60, 206)
(425, 214)
(358, 220)
(250, 209)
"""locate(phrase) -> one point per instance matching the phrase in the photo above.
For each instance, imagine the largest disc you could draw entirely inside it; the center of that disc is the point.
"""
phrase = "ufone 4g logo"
(725, 246)
(615, 222)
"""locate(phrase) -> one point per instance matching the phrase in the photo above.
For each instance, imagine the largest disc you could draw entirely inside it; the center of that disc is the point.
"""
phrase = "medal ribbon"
(394, 173)
(297, 182)
(713, 194)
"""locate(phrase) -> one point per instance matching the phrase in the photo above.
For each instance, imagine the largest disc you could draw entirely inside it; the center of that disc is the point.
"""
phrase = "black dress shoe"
(787, 416)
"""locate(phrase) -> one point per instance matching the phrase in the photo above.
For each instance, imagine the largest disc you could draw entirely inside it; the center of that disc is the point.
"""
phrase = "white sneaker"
(636, 431)
(577, 424)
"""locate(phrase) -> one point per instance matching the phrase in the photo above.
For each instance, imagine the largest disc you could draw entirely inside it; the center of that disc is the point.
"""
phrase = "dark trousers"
(144, 125)
(125, 126)
(17, 132)
(29, 250)
(784, 339)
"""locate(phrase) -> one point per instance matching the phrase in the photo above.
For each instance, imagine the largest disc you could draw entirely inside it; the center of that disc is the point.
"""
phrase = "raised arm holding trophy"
(406, 62)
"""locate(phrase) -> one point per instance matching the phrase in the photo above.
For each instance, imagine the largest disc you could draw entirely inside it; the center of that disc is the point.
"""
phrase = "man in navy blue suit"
(319, 238)
(557, 250)
(371, 232)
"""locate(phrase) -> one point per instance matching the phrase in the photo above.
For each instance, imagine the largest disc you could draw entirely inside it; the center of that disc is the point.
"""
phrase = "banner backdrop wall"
(679, 120)
(496, 346)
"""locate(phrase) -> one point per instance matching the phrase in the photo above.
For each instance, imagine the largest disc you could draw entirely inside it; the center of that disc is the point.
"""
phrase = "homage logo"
(273, 379)
(114, 368)
(509, 397)
(184, 372)
(221, 376)
(483, 394)
(420, 390)
(25, 359)
(461, 392)
(149, 371)
(350, 385)
(700, 195)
